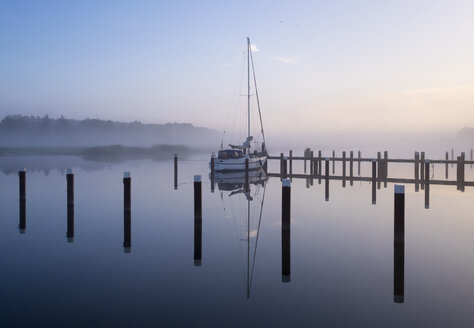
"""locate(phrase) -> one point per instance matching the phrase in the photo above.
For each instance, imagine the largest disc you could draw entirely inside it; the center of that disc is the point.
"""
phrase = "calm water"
(342, 265)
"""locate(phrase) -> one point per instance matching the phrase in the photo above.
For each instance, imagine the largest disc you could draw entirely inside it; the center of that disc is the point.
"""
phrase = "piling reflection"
(22, 223)
(70, 224)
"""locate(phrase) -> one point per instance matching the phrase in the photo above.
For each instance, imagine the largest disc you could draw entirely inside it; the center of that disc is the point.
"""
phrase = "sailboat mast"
(248, 87)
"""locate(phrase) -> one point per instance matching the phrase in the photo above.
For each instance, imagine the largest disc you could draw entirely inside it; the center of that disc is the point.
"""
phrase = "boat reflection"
(236, 181)
(245, 191)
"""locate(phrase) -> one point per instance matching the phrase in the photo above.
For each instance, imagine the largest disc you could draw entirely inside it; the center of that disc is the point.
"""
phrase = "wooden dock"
(313, 168)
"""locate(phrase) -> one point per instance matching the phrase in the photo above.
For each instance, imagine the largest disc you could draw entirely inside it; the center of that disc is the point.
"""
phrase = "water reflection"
(246, 189)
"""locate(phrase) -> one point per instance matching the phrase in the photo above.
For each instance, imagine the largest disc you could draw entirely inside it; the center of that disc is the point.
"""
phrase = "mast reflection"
(250, 187)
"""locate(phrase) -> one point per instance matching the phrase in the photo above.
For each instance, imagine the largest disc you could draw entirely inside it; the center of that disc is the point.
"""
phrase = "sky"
(329, 67)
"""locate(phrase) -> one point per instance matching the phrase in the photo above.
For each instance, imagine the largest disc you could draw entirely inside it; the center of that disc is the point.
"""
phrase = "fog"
(31, 131)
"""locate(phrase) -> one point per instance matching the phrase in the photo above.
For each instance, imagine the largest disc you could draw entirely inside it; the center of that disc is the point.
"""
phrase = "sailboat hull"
(238, 164)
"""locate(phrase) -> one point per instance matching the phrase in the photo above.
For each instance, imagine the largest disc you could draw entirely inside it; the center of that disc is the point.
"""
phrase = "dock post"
(359, 155)
(446, 168)
(213, 173)
(198, 219)
(311, 166)
(379, 171)
(176, 171)
(460, 172)
(22, 192)
(417, 171)
(351, 167)
(285, 230)
(281, 166)
(427, 184)
(385, 168)
(70, 205)
(326, 188)
(127, 212)
(471, 158)
(343, 169)
(333, 162)
(320, 169)
(422, 169)
(452, 156)
(374, 180)
(291, 164)
(399, 245)
(463, 159)
(304, 161)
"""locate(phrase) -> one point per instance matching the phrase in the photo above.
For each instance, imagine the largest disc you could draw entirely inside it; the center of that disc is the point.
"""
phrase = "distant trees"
(34, 130)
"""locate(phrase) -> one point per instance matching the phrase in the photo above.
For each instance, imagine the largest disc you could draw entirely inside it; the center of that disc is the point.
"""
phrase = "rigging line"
(258, 232)
(234, 96)
(258, 100)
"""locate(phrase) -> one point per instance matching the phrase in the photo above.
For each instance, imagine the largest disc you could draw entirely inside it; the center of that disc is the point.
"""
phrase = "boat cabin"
(230, 154)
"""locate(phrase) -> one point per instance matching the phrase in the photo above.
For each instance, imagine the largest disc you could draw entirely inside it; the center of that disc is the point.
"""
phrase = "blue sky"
(347, 65)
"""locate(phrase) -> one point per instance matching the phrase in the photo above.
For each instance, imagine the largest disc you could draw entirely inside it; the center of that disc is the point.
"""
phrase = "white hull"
(238, 164)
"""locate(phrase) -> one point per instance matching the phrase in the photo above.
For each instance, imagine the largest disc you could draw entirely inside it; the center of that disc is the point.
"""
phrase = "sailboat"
(235, 157)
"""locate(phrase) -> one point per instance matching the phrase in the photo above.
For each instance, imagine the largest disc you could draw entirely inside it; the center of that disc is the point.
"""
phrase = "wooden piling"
(427, 184)
(291, 163)
(22, 183)
(333, 162)
(70, 187)
(471, 158)
(399, 244)
(285, 230)
(281, 165)
(127, 210)
(359, 154)
(422, 169)
(176, 170)
(385, 168)
(70, 205)
(460, 171)
(343, 169)
(417, 169)
(379, 171)
(399, 216)
(320, 169)
(326, 187)
(351, 167)
(446, 168)
(306, 152)
(374, 180)
(452, 156)
(213, 173)
(22, 202)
